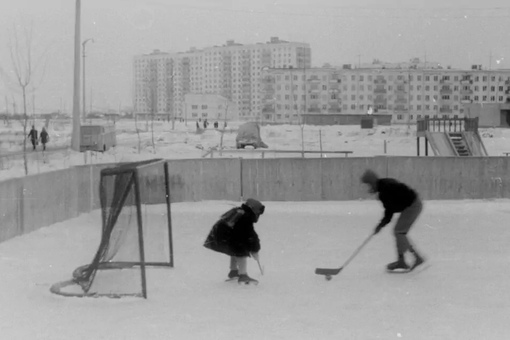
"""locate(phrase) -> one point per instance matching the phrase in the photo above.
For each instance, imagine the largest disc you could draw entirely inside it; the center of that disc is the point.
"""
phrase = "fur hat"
(255, 206)
(369, 177)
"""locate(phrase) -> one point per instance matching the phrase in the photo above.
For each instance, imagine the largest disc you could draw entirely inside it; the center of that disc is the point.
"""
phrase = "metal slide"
(441, 144)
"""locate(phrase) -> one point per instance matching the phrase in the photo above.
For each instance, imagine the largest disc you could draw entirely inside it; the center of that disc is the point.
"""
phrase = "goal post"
(136, 232)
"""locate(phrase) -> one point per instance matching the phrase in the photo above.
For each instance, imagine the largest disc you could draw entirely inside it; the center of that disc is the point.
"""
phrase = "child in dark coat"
(234, 235)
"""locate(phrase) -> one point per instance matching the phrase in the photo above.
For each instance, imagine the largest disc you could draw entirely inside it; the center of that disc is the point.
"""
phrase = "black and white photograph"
(254, 169)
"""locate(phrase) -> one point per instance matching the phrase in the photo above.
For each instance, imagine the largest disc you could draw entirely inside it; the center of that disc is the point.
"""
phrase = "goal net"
(136, 232)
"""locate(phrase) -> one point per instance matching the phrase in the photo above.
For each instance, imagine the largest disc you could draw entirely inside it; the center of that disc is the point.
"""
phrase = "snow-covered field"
(463, 295)
(182, 141)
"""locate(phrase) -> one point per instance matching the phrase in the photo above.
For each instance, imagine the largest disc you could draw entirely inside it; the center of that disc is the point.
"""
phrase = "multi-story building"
(212, 107)
(407, 94)
(161, 80)
(288, 93)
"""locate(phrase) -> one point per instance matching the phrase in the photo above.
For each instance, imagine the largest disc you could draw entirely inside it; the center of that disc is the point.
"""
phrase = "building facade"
(212, 107)
(407, 94)
(161, 80)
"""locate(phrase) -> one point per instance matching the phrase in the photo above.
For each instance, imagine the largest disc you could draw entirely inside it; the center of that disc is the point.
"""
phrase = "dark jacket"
(33, 134)
(44, 137)
(234, 234)
(395, 197)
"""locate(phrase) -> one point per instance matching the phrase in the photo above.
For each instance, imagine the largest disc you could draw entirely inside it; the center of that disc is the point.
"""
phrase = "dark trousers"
(404, 223)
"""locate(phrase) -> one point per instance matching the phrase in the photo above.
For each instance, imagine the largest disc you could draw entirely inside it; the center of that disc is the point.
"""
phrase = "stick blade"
(327, 271)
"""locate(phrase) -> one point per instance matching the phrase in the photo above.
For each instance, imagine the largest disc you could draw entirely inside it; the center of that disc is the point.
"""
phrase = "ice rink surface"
(463, 294)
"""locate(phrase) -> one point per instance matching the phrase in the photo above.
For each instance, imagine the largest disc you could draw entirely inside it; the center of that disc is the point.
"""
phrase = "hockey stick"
(260, 267)
(335, 271)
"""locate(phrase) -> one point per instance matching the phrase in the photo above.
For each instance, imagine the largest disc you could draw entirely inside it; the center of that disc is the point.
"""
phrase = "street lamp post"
(84, 115)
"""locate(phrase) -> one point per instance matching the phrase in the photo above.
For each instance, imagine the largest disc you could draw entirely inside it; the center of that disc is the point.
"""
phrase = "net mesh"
(135, 230)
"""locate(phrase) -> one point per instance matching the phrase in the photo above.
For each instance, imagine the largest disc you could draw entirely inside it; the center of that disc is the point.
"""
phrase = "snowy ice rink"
(463, 295)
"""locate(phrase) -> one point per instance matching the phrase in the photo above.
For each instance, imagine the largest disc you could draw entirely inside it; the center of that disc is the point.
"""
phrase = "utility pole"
(84, 114)
(75, 138)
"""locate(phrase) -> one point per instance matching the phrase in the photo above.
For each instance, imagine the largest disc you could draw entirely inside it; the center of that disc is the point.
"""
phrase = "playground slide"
(440, 144)
(475, 143)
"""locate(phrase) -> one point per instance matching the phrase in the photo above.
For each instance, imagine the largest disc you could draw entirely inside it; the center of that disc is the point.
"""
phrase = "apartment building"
(161, 80)
(405, 93)
(212, 107)
(288, 93)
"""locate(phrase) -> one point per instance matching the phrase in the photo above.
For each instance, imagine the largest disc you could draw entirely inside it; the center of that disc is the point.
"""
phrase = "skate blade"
(252, 283)
(418, 269)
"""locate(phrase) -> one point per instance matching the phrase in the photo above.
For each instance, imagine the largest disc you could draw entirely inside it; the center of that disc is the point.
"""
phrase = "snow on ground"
(182, 141)
(463, 295)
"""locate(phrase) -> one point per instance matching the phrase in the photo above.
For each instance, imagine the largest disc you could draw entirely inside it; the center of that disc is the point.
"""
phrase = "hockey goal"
(136, 232)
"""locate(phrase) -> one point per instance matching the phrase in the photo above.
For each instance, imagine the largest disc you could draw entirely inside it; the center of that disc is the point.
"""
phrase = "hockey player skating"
(234, 235)
(397, 197)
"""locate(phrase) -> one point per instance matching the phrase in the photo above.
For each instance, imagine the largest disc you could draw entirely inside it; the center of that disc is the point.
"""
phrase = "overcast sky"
(453, 32)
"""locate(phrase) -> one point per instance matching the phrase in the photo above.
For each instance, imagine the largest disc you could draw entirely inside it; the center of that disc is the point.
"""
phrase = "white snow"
(182, 141)
(463, 295)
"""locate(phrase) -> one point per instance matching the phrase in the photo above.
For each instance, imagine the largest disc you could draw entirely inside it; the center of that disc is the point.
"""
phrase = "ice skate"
(245, 279)
(398, 266)
(418, 261)
(233, 275)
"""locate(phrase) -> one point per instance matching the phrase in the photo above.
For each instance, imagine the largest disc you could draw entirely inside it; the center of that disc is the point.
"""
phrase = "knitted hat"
(255, 206)
(369, 177)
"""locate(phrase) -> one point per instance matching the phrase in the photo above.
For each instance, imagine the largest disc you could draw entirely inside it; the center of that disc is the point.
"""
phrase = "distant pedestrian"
(33, 137)
(45, 138)
(216, 125)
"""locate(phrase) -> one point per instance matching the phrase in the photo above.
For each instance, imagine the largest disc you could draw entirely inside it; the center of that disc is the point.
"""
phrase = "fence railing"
(447, 124)
(264, 152)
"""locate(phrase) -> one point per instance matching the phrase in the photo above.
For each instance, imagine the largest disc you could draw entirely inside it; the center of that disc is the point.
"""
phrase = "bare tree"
(24, 69)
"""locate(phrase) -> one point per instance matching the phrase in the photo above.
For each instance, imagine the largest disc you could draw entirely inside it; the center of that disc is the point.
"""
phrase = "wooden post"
(320, 141)
(426, 146)
(417, 146)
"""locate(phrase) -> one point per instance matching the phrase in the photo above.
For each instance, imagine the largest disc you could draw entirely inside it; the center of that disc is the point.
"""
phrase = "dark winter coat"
(44, 137)
(234, 234)
(395, 197)
(33, 135)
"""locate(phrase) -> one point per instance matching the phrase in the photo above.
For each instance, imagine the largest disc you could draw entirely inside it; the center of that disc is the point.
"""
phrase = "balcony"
(380, 90)
(445, 90)
(445, 110)
(314, 79)
(401, 100)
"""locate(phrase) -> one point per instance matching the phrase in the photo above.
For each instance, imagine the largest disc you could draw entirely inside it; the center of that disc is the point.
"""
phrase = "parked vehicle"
(249, 135)
(97, 137)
